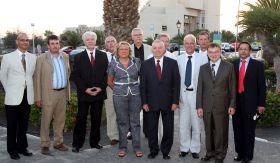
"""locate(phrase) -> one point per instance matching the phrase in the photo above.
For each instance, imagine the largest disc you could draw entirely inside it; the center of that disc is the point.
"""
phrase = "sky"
(56, 15)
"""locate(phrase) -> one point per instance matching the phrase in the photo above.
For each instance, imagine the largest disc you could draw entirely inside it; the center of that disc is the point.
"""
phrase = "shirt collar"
(247, 59)
(59, 55)
(20, 53)
(217, 63)
(88, 51)
(161, 59)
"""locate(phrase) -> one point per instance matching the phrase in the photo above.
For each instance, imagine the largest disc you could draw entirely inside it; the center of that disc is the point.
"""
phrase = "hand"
(96, 90)
(199, 112)
(146, 107)
(174, 107)
(261, 109)
(231, 110)
(39, 104)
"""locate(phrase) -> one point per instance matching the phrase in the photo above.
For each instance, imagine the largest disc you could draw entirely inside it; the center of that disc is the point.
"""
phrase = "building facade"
(161, 16)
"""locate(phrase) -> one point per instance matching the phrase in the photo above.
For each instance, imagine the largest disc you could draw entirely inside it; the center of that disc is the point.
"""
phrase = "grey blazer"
(126, 80)
(219, 94)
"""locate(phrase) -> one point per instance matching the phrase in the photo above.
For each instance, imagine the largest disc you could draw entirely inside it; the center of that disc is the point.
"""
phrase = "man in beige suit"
(52, 91)
(16, 74)
(215, 102)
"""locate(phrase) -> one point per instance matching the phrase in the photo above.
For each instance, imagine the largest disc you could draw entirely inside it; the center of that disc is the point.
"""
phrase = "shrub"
(271, 116)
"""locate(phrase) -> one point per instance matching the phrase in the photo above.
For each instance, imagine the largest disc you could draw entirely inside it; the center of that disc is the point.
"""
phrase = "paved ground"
(267, 150)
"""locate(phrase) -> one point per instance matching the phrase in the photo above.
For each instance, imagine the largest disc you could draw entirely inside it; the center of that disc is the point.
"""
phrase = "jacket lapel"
(164, 68)
(209, 71)
(220, 69)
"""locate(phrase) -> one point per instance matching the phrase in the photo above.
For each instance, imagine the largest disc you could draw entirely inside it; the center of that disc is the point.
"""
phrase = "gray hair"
(110, 36)
(158, 41)
(89, 33)
(20, 35)
(191, 36)
(163, 35)
(136, 29)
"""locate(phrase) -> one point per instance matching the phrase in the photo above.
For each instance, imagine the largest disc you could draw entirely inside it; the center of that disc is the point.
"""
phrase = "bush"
(271, 116)
(270, 77)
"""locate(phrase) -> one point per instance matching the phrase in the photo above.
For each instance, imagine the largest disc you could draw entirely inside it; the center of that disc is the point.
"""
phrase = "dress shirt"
(160, 62)
(193, 66)
(26, 59)
(246, 63)
(216, 67)
(59, 72)
(110, 56)
(89, 55)
(139, 53)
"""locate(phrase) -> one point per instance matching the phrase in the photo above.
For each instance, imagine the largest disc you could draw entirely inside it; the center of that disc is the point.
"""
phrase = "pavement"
(267, 149)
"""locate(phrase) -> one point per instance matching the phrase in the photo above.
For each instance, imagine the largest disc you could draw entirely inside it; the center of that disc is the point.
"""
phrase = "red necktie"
(241, 77)
(158, 68)
(91, 58)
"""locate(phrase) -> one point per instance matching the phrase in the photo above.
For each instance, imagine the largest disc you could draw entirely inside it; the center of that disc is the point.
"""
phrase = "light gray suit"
(215, 96)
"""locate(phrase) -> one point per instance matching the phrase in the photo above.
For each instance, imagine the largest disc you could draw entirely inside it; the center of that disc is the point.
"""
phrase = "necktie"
(112, 57)
(91, 58)
(241, 77)
(158, 69)
(23, 62)
(188, 73)
(213, 70)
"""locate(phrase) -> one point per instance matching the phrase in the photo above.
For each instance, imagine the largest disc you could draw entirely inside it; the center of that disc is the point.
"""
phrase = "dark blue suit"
(246, 107)
(160, 95)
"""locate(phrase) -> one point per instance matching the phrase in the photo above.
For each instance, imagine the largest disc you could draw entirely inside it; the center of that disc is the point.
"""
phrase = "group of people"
(136, 82)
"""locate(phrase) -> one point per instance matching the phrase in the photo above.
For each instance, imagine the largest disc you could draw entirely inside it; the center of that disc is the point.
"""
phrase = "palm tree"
(120, 17)
(71, 38)
(263, 19)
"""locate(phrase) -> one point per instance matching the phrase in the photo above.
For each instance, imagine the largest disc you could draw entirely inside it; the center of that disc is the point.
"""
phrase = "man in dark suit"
(160, 90)
(250, 99)
(215, 102)
(90, 70)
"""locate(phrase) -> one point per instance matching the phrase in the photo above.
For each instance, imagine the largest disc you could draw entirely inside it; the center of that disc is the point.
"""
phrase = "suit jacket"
(160, 94)
(147, 50)
(13, 77)
(87, 76)
(43, 78)
(182, 60)
(254, 86)
(219, 94)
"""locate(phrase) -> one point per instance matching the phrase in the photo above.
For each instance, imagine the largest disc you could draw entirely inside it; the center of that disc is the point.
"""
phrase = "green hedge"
(271, 116)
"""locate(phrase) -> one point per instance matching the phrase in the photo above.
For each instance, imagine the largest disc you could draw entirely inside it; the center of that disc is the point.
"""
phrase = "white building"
(161, 16)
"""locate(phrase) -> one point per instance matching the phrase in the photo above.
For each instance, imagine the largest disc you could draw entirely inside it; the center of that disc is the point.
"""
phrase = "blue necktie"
(188, 75)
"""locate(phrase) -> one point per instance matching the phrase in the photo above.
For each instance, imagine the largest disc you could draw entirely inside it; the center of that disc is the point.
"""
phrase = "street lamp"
(236, 38)
(33, 44)
(178, 24)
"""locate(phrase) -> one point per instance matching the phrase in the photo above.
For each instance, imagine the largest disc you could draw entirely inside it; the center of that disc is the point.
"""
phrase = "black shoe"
(152, 155)
(14, 156)
(166, 157)
(219, 161)
(195, 155)
(246, 160)
(207, 158)
(75, 149)
(237, 158)
(25, 153)
(183, 154)
(97, 146)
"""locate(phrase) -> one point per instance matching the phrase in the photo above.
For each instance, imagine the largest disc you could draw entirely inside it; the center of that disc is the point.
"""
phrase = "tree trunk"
(120, 17)
(271, 54)
(277, 71)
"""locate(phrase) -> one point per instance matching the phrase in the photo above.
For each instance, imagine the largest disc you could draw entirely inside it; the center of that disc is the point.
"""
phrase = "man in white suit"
(189, 65)
(112, 128)
(16, 75)
(142, 51)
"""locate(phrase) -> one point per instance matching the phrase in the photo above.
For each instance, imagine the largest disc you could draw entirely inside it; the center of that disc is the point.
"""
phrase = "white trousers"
(189, 123)
(112, 128)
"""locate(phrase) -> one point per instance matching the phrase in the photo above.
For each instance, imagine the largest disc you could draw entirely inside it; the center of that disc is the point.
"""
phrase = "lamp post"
(33, 42)
(178, 24)
(237, 17)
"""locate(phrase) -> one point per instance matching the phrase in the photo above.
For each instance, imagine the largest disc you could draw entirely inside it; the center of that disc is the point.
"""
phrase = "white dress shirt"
(20, 54)
(216, 67)
(193, 66)
(160, 62)
(246, 63)
(89, 55)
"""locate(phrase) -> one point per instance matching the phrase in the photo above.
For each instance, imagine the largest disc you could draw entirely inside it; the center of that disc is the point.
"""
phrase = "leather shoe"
(152, 155)
(237, 158)
(75, 149)
(166, 157)
(195, 155)
(114, 142)
(46, 151)
(207, 158)
(246, 160)
(14, 156)
(219, 160)
(61, 147)
(97, 146)
(183, 154)
(25, 153)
